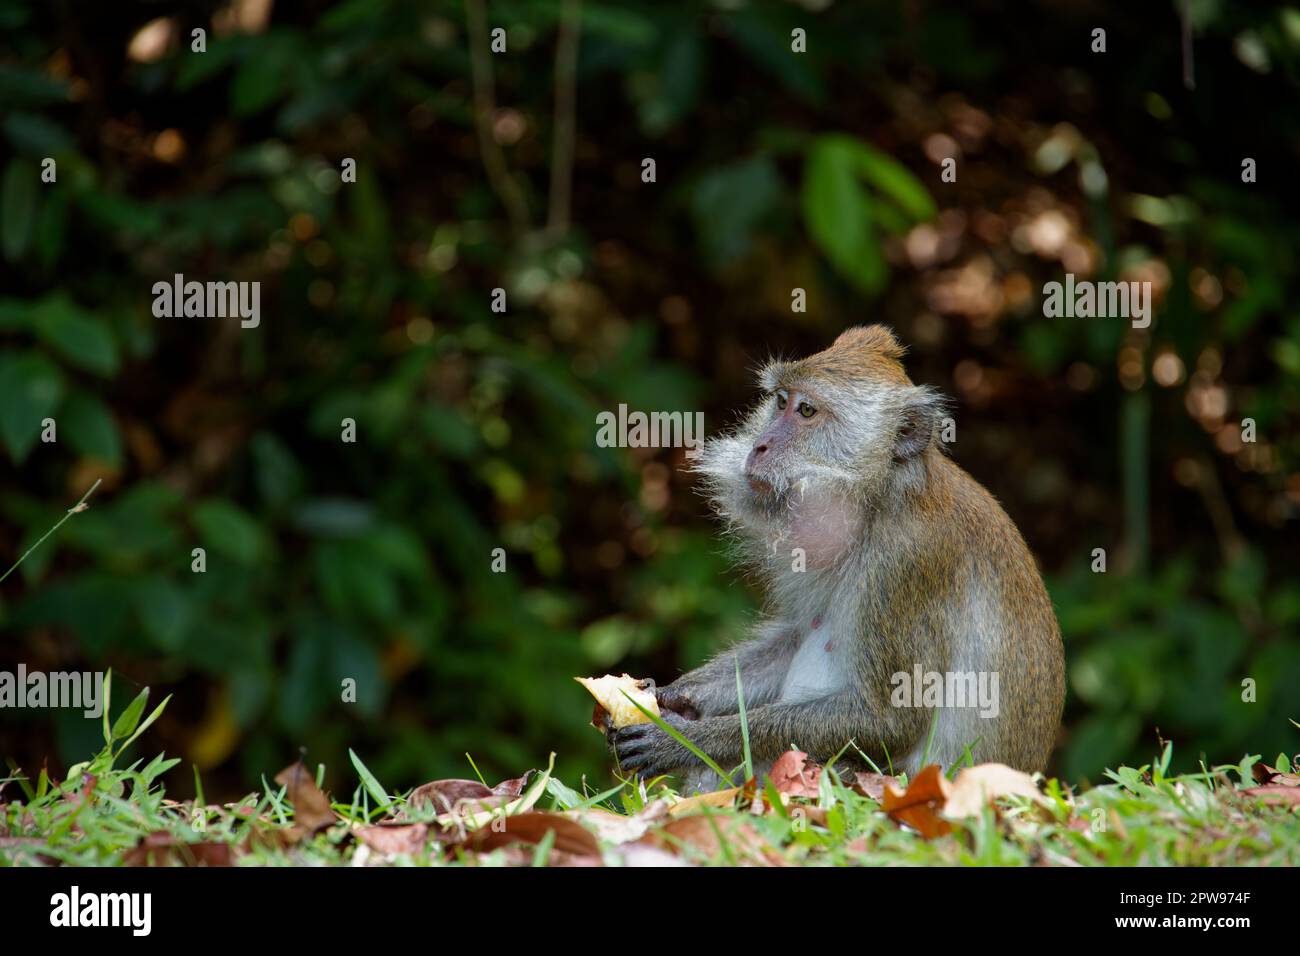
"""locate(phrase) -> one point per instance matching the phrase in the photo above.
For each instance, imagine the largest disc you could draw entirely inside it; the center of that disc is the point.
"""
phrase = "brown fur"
(931, 573)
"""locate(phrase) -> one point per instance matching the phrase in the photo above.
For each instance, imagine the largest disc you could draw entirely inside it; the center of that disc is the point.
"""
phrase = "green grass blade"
(705, 758)
(370, 782)
(744, 725)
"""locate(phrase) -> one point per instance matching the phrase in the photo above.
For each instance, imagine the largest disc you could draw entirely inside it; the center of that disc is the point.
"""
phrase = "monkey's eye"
(806, 410)
(782, 400)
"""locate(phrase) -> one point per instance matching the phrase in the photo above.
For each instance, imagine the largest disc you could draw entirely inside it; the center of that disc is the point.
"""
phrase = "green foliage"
(371, 561)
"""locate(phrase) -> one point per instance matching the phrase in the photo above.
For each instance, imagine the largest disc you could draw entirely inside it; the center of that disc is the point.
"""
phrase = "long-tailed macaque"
(898, 591)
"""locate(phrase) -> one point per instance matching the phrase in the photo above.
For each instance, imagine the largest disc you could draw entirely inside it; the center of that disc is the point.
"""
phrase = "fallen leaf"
(978, 786)
(443, 795)
(532, 827)
(392, 839)
(715, 798)
(817, 816)
(1264, 774)
(616, 828)
(873, 784)
(274, 837)
(1275, 794)
(311, 808)
(513, 787)
(704, 834)
(163, 849)
(919, 805)
(795, 774)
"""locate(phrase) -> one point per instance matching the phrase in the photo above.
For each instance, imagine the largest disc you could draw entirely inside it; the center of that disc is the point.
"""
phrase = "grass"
(105, 814)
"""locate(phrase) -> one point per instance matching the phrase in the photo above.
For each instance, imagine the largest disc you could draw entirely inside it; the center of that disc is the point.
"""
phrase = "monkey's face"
(828, 441)
(791, 442)
(795, 465)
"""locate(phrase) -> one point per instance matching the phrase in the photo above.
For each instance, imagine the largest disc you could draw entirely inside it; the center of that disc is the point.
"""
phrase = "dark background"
(476, 430)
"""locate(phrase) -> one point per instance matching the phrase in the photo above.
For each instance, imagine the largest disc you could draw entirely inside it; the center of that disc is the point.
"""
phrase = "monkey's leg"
(821, 727)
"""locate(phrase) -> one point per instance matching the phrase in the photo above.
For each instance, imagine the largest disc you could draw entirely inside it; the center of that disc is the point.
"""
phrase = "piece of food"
(609, 690)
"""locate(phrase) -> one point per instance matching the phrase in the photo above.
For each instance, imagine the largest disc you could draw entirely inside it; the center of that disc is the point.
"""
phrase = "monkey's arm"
(821, 727)
(710, 690)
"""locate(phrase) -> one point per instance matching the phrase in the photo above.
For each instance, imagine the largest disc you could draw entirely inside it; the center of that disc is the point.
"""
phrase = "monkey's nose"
(757, 452)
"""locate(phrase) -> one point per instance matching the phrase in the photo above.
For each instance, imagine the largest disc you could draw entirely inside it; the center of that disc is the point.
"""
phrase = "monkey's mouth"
(764, 495)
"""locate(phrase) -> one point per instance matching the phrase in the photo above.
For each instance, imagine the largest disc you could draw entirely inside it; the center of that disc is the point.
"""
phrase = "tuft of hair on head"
(863, 351)
(874, 339)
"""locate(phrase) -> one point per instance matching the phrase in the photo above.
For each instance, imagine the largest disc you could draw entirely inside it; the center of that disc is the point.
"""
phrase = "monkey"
(882, 559)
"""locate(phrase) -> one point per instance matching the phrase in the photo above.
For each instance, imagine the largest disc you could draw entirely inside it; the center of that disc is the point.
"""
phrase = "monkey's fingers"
(631, 743)
(678, 702)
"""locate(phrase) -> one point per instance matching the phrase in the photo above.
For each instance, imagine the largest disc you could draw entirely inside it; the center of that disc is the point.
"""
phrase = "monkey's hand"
(676, 699)
(648, 750)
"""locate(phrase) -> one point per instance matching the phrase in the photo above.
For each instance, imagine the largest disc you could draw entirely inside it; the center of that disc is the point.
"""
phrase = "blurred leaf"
(221, 51)
(677, 84)
(229, 530)
(30, 87)
(730, 202)
(90, 429)
(1099, 742)
(334, 517)
(894, 180)
(36, 135)
(768, 44)
(278, 475)
(30, 390)
(165, 611)
(18, 203)
(77, 336)
(262, 76)
(837, 213)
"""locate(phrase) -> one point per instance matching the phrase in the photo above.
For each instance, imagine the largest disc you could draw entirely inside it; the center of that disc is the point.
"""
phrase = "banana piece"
(609, 690)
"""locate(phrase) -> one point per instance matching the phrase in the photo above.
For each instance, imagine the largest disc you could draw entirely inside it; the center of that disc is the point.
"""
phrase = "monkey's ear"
(917, 424)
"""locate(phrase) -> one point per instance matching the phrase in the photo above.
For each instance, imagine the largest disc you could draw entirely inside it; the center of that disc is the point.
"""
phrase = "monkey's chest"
(820, 666)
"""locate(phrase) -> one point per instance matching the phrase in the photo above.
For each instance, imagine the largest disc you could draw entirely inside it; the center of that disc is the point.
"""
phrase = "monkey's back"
(1000, 621)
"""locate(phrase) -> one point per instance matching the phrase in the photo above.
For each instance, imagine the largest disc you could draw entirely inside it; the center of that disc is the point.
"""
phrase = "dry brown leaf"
(443, 795)
(715, 798)
(615, 828)
(873, 784)
(311, 808)
(977, 786)
(702, 834)
(391, 839)
(817, 816)
(532, 827)
(457, 802)
(1265, 774)
(163, 849)
(1275, 794)
(795, 774)
(919, 805)
(513, 787)
(274, 838)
